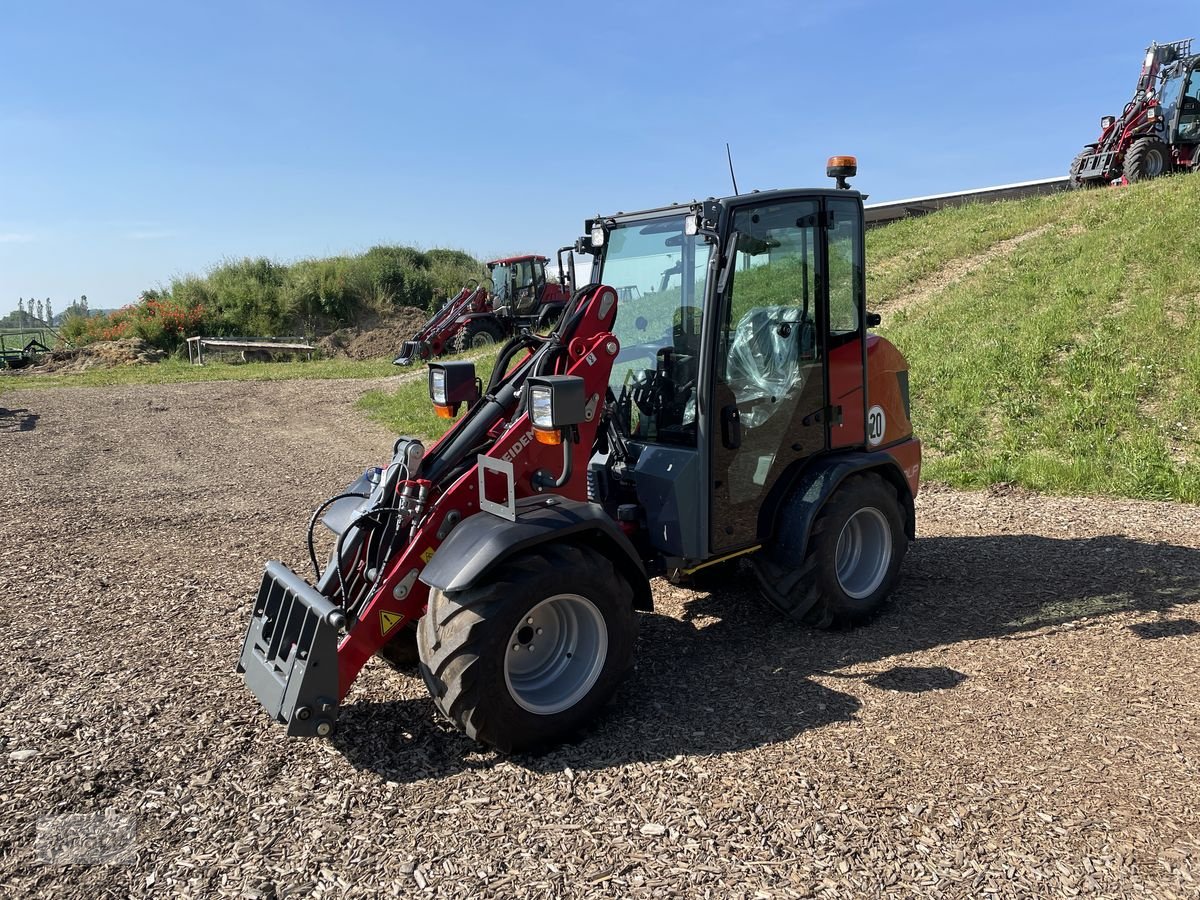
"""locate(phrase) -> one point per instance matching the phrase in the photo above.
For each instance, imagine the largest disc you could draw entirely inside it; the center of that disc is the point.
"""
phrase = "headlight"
(598, 235)
(451, 385)
(541, 409)
(1107, 122)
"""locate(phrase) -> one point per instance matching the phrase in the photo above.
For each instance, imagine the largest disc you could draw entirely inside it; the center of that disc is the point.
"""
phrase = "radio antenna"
(729, 156)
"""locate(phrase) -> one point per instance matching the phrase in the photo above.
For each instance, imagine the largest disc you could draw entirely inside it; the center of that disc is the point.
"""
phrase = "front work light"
(598, 235)
(1152, 113)
(1107, 122)
(555, 402)
(451, 385)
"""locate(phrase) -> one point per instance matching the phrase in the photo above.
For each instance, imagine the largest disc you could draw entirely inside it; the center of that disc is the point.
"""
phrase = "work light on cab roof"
(841, 168)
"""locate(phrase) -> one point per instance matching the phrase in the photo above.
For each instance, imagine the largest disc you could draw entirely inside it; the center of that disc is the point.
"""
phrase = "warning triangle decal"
(389, 620)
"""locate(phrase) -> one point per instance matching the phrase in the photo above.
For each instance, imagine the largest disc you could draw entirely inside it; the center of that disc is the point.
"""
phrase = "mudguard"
(816, 482)
(804, 495)
(481, 542)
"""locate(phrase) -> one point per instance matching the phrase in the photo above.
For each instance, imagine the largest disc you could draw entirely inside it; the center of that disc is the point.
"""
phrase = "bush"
(159, 320)
(260, 297)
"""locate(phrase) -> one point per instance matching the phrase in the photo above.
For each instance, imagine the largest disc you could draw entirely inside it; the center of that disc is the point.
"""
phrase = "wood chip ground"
(1023, 721)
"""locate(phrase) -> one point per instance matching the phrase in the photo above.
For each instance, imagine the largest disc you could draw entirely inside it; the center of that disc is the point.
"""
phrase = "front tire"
(531, 655)
(1074, 182)
(401, 652)
(852, 558)
(1147, 158)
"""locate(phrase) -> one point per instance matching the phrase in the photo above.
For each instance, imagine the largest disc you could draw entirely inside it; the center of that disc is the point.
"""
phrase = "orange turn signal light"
(445, 412)
(552, 436)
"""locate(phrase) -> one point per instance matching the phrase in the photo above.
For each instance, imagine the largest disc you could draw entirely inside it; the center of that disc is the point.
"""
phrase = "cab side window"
(845, 269)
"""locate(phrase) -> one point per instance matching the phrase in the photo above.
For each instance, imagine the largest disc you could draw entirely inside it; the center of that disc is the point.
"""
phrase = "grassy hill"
(1054, 342)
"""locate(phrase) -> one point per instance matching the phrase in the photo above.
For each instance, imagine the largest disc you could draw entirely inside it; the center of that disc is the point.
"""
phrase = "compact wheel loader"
(735, 405)
(517, 296)
(1157, 133)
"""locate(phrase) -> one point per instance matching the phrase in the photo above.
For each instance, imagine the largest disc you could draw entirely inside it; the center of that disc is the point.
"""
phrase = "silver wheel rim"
(483, 339)
(864, 553)
(555, 654)
(1154, 163)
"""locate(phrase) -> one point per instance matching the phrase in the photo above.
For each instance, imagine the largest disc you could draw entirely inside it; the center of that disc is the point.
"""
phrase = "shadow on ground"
(17, 419)
(734, 675)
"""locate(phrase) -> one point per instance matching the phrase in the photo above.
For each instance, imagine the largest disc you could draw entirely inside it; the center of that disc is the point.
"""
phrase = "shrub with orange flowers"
(157, 319)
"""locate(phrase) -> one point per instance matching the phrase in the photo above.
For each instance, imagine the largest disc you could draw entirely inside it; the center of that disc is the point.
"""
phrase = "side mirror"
(451, 385)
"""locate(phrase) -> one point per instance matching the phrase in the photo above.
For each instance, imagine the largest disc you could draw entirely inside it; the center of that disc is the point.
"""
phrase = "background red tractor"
(1159, 130)
(735, 405)
(517, 295)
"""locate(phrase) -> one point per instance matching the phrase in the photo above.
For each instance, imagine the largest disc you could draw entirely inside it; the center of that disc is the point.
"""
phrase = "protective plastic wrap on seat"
(764, 365)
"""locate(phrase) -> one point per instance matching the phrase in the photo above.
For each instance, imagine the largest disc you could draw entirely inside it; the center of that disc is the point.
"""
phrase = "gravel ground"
(1021, 721)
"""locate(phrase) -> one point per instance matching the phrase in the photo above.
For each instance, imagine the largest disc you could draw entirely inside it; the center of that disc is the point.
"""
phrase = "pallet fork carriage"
(734, 405)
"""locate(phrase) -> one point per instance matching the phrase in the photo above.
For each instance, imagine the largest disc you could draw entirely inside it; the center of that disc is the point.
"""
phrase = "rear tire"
(852, 559)
(1147, 158)
(479, 334)
(480, 655)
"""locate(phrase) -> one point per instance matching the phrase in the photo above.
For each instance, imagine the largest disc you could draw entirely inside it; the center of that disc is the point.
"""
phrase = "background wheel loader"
(517, 295)
(1158, 132)
(734, 405)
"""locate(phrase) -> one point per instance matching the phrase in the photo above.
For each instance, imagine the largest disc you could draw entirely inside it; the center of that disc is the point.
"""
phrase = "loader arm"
(489, 459)
(436, 334)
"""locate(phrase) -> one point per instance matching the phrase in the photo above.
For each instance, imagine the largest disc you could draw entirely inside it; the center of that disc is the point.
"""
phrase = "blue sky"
(142, 140)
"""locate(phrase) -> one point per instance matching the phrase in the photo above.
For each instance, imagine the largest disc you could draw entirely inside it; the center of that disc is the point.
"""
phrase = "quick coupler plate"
(289, 658)
(408, 351)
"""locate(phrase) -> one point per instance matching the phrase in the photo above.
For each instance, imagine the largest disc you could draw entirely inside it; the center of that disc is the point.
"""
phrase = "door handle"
(831, 414)
(731, 427)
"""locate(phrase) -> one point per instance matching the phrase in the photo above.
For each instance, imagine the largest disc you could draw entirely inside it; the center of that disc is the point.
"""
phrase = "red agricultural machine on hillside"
(518, 295)
(1159, 130)
(735, 406)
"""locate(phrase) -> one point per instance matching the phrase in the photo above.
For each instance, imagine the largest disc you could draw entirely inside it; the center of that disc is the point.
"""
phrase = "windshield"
(501, 278)
(659, 273)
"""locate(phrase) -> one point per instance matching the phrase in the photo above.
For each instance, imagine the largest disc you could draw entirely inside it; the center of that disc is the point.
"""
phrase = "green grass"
(176, 371)
(1070, 365)
(407, 409)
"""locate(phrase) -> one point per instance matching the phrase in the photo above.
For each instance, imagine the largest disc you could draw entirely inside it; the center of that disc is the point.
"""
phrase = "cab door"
(769, 391)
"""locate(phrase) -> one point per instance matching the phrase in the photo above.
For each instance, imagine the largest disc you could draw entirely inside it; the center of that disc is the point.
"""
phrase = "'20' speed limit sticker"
(876, 425)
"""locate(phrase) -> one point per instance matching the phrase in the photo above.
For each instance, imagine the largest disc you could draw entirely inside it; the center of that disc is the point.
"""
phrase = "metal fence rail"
(197, 346)
(893, 210)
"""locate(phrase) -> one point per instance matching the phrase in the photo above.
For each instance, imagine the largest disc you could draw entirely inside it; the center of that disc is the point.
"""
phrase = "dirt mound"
(100, 355)
(381, 339)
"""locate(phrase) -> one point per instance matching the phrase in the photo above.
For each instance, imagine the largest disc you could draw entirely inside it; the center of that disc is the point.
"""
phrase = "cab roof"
(757, 196)
(509, 260)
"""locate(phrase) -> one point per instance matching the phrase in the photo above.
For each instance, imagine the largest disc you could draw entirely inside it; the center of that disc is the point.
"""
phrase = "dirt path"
(1022, 721)
(952, 273)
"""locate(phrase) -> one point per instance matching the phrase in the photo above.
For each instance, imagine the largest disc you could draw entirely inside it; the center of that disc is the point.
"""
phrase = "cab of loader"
(744, 350)
(520, 287)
